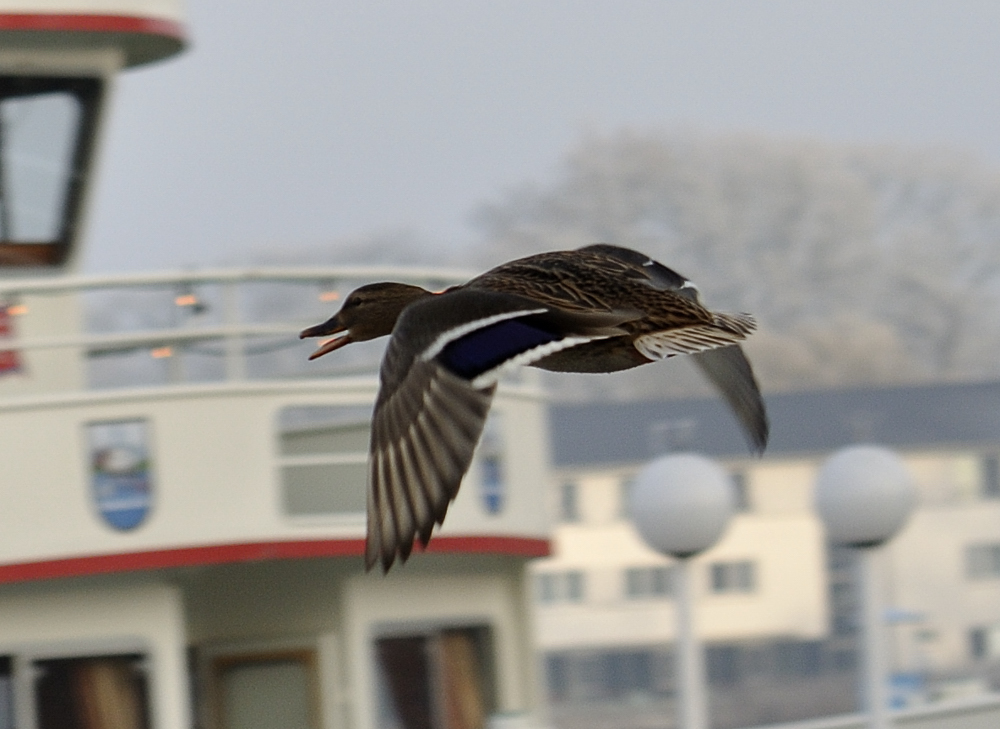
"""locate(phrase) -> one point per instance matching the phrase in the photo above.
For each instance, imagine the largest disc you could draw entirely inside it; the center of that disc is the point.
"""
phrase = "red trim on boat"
(92, 24)
(251, 552)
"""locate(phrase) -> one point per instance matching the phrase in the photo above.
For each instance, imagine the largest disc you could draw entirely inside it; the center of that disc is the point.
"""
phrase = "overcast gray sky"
(290, 124)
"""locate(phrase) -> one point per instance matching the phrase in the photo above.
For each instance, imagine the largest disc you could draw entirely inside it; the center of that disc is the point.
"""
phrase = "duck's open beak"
(330, 326)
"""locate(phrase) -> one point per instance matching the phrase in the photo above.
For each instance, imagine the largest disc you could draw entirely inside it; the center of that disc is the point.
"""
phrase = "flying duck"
(601, 308)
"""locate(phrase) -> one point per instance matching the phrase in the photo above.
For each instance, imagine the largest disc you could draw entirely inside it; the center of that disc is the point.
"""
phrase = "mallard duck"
(601, 308)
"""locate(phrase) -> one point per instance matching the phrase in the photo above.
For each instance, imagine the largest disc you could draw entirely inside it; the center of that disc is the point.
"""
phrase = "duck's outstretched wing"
(726, 367)
(437, 382)
(422, 442)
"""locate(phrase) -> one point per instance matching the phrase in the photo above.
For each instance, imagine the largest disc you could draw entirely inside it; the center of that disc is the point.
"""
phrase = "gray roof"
(929, 416)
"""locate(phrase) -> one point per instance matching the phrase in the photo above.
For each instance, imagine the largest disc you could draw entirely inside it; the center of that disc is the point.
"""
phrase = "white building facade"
(772, 598)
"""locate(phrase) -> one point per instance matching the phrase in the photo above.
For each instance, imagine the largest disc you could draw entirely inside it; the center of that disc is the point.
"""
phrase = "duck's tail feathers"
(725, 329)
(743, 324)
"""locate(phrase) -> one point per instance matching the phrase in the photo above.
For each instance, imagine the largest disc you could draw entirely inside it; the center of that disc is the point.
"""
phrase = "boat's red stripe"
(251, 552)
(92, 24)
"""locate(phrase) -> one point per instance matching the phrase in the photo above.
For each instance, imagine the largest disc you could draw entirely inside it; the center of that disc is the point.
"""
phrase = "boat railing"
(194, 326)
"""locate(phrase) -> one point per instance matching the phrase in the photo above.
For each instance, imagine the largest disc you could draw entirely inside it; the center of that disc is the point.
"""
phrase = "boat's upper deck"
(175, 419)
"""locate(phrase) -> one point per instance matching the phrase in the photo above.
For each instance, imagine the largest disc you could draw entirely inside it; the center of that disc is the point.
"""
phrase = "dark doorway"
(95, 692)
(436, 680)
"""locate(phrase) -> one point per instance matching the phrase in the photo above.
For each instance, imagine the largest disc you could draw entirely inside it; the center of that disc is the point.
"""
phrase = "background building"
(775, 605)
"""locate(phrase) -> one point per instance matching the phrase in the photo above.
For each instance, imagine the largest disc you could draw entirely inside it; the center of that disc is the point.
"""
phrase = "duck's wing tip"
(730, 371)
(758, 435)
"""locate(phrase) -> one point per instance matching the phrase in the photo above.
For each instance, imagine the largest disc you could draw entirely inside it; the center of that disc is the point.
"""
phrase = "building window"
(557, 676)
(625, 487)
(574, 586)
(492, 472)
(844, 625)
(669, 436)
(723, 663)
(990, 484)
(982, 561)
(741, 491)
(731, 577)
(569, 501)
(977, 642)
(984, 642)
(648, 582)
(798, 658)
(553, 587)
(546, 588)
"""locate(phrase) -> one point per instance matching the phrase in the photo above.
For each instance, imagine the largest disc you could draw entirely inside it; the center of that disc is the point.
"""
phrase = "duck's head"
(368, 313)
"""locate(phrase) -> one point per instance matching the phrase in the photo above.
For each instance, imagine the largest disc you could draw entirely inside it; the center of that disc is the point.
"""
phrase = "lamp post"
(864, 495)
(680, 505)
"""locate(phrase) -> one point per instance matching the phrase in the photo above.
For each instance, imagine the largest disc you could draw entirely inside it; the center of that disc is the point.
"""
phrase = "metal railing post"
(234, 345)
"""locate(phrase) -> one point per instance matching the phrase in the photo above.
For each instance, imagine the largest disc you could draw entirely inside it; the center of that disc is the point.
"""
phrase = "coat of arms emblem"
(120, 471)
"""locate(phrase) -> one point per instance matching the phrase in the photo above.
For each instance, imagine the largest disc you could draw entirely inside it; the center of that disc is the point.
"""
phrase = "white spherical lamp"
(864, 495)
(681, 504)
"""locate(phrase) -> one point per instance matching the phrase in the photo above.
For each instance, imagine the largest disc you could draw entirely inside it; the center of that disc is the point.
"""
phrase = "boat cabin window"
(323, 452)
(47, 129)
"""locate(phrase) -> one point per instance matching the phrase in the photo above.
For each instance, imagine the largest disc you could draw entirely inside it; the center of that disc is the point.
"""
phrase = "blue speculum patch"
(482, 350)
